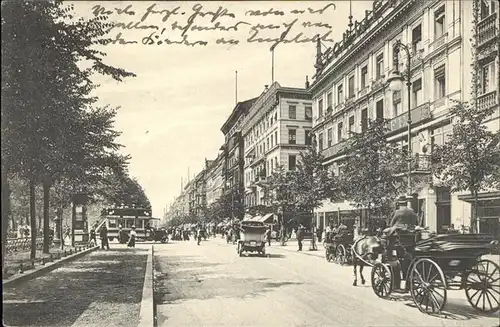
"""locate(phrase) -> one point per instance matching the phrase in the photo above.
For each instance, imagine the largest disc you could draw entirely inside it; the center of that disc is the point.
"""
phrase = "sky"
(171, 113)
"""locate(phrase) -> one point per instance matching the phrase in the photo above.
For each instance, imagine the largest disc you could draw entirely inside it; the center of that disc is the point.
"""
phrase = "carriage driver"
(404, 219)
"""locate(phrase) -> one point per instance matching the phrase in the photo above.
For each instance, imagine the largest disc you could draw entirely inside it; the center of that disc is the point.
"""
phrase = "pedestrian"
(300, 235)
(103, 234)
(268, 235)
(132, 236)
(93, 236)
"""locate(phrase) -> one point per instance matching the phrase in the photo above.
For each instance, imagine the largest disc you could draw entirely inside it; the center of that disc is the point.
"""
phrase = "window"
(364, 76)
(308, 113)
(268, 144)
(320, 108)
(329, 101)
(439, 23)
(488, 80)
(292, 162)
(320, 142)
(380, 66)
(364, 120)
(276, 137)
(308, 138)
(272, 139)
(292, 112)
(416, 38)
(340, 126)
(417, 93)
(351, 86)
(440, 82)
(329, 137)
(340, 94)
(292, 136)
(441, 135)
(351, 124)
(396, 103)
(488, 7)
(380, 109)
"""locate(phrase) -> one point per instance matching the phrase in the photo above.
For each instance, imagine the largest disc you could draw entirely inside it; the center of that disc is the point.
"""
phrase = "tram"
(126, 217)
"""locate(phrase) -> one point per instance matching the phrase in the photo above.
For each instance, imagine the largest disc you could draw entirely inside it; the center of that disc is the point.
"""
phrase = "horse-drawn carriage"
(338, 247)
(431, 267)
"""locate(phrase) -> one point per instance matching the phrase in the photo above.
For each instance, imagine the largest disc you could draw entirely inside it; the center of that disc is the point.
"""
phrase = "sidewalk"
(103, 288)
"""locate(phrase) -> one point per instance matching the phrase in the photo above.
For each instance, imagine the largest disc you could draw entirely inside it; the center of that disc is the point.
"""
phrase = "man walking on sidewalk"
(103, 233)
(300, 236)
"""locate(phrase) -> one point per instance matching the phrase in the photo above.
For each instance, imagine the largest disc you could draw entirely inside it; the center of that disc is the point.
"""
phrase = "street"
(210, 285)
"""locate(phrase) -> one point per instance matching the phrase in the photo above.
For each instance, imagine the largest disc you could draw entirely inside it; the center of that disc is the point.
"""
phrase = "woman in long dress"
(132, 236)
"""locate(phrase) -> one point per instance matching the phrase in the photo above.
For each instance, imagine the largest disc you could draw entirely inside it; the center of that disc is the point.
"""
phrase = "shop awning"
(256, 218)
(487, 196)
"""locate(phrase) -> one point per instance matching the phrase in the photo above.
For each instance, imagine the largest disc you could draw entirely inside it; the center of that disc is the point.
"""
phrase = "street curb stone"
(146, 315)
(37, 272)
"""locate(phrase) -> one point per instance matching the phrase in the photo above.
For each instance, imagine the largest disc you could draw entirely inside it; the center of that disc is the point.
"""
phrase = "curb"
(146, 313)
(37, 272)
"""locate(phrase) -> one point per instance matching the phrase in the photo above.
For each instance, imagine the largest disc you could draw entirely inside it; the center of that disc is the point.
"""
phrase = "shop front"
(488, 212)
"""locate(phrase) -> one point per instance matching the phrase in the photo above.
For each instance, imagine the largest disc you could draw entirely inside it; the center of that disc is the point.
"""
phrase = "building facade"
(275, 130)
(214, 178)
(350, 87)
(233, 151)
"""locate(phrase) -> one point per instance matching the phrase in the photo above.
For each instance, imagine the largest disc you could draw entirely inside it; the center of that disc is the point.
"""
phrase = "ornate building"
(275, 130)
(350, 87)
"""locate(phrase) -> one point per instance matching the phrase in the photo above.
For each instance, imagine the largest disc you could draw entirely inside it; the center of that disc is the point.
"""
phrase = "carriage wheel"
(327, 254)
(428, 286)
(340, 255)
(381, 280)
(482, 286)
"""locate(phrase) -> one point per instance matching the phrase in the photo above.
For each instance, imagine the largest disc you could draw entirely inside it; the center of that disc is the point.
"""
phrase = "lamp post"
(395, 84)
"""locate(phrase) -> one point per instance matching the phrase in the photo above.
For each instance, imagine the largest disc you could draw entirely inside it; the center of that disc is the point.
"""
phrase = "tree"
(372, 174)
(470, 160)
(279, 194)
(45, 89)
(312, 182)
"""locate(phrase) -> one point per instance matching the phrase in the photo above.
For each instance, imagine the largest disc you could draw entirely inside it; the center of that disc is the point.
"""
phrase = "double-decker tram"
(126, 217)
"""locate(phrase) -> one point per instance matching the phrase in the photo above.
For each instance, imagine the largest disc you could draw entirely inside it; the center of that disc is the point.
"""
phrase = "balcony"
(421, 163)
(487, 100)
(418, 114)
(363, 92)
(439, 42)
(378, 84)
(335, 149)
(487, 29)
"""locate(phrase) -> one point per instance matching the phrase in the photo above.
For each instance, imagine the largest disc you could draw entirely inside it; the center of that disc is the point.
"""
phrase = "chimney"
(307, 82)
(266, 87)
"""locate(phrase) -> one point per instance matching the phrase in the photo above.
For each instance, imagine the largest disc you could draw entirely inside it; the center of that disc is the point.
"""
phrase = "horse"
(364, 252)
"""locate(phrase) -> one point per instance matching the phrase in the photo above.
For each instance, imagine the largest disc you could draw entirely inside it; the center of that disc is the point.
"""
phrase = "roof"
(240, 108)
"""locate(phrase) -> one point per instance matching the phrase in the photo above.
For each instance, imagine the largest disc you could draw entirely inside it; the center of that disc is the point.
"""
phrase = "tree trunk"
(5, 211)
(61, 226)
(73, 221)
(33, 219)
(475, 221)
(46, 195)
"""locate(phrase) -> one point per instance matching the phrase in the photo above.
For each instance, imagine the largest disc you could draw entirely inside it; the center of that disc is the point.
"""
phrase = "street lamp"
(396, 84)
